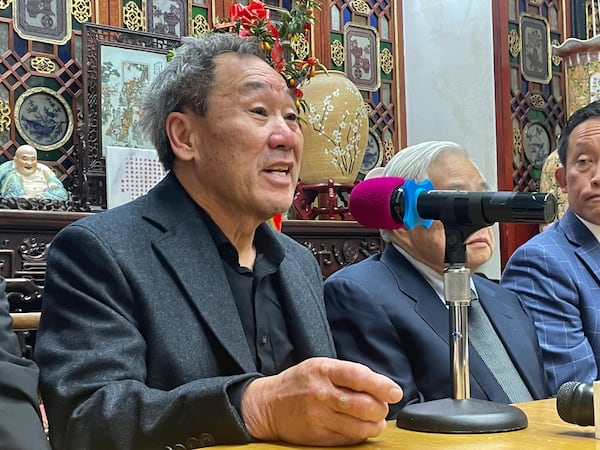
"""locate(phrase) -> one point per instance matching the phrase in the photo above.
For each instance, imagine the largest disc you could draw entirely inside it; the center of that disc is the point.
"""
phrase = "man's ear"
(561, 178)
(179, 130)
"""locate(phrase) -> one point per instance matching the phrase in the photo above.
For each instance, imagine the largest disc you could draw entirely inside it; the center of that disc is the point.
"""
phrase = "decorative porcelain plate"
(43, 118)
(374, 154)
(536, 143)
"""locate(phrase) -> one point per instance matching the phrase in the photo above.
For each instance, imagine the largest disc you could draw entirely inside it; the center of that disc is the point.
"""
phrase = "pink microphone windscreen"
(369, 202)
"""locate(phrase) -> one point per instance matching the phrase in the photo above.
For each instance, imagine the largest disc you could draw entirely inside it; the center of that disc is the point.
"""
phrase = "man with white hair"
(389, 313)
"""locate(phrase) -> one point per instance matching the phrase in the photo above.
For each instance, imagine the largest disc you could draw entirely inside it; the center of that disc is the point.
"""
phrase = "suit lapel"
(587, 247)
(427, 303)
(188, 251)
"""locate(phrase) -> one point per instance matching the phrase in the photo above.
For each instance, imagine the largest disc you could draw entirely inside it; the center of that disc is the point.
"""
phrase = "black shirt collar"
(265, 240)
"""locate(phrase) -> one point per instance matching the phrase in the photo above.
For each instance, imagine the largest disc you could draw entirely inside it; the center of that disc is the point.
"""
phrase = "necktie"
(486, 342)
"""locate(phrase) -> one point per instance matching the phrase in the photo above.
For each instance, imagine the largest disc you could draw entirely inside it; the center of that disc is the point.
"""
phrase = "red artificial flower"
(277, 56)
(297, 92)
(235, 11)
(257, 8)
(312, 61)
(254, 20)
(249, 15)
(272, 30)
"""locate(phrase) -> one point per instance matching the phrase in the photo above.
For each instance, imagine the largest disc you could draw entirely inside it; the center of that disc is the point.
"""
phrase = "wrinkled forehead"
(242, 74)
(455, 171)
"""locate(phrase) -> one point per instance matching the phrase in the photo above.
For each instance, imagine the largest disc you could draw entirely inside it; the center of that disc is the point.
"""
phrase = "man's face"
(580, 178)
(448, 172)
(26, 160)
(249, 144)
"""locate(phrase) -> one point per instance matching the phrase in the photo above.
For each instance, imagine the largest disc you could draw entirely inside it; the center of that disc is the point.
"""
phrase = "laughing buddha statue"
(24, 177)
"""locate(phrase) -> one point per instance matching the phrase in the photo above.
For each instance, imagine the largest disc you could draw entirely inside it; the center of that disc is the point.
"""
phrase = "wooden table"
(545, 431)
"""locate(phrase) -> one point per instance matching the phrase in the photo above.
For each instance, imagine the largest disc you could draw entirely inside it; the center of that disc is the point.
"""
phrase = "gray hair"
(187, 82)
(412, 163)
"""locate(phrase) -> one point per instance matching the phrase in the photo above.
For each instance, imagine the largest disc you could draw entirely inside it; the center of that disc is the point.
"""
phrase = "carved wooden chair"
(24, 298)
(25, 303)
(25, 321)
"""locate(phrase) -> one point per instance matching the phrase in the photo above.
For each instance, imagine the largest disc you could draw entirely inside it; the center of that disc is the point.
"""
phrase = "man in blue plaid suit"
(557, 273)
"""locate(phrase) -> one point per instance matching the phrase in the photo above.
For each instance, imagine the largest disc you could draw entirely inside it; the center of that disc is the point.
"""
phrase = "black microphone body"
(575, 403)
(478, 208)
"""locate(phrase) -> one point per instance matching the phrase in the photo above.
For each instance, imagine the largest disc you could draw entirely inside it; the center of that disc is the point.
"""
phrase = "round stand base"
(461, 416)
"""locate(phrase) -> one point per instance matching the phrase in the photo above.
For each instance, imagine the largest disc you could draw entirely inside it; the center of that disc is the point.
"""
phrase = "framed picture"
(118, 65)
(43, 118)
(536, 64)
(43, 20)
(362, 56)
(125, 75)
(169, 17)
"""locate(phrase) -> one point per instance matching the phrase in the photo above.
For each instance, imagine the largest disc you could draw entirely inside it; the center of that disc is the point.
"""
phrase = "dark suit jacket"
(140, 340)
(384, 314)
(20, 423)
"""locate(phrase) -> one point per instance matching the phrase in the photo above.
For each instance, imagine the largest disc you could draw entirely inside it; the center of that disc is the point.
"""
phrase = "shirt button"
(207, 439)
(263, 339)
(192, 443)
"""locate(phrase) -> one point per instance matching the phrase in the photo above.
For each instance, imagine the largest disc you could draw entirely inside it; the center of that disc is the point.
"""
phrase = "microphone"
(389, 202)
(575, 403)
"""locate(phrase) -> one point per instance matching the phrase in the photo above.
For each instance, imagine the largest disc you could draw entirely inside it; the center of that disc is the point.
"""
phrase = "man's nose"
(283, 136)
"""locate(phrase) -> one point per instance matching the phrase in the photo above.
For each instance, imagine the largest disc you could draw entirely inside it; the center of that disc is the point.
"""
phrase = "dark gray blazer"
(140, 339)
(384, 314)
(20, 423)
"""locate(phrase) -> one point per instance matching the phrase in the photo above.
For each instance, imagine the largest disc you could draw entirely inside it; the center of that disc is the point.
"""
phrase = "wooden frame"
(536, 65)
(48, 21)
(136, 49)
(167, 17)
(362, 60)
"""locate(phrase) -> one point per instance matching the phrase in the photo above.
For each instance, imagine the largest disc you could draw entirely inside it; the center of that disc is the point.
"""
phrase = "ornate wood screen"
(40, 51)
(364, 41)
(529, 102)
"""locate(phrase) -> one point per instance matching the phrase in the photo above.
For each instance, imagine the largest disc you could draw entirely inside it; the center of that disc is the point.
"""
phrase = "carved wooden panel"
(529, 100)
(335, 244)
(25, 237)
(27, 64)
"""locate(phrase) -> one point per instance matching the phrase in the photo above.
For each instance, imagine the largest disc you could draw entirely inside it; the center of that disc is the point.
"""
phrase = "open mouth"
(279, 171)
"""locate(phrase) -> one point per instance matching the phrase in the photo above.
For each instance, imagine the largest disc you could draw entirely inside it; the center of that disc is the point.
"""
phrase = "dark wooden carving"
(25, 237)
(24, 240)
(335, 244)
(327, 201)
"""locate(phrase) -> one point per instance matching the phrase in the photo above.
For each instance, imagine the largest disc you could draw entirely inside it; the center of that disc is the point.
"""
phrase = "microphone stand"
(460, 414)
